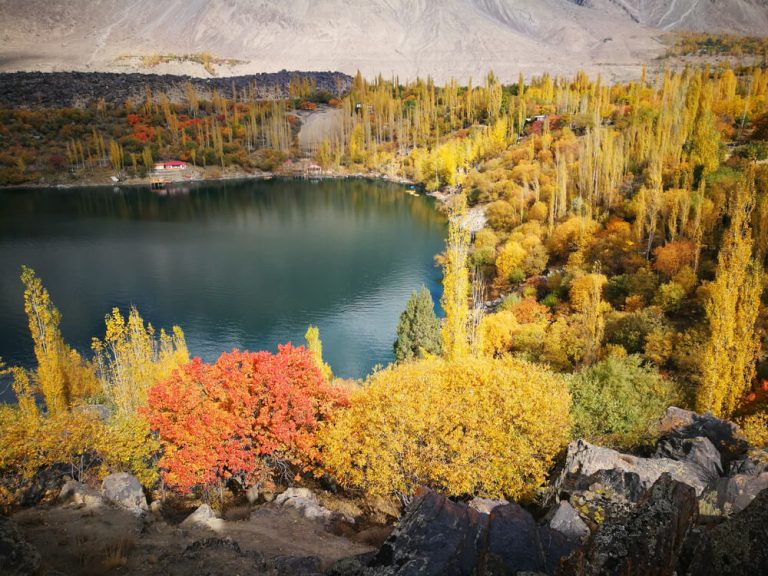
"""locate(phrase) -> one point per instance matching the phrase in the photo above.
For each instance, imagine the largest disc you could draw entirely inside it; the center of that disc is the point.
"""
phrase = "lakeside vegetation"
(627, 230)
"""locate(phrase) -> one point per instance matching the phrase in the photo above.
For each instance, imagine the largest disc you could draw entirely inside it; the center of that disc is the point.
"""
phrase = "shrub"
(474, 426)
(245, 417)
(631, 330)
(669, 297)
(617, 400)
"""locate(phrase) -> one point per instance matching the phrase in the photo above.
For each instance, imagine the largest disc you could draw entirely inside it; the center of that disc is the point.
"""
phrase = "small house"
(170, 166)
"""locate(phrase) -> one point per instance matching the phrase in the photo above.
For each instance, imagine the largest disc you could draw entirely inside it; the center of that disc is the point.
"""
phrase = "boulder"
(305, 502)
(648, 541)
(125, 491)
(17, 556)
(203, 517)
(584, 459)
(517, 544)
(725, 436)
(699, 452)
(485, 505)
(79, 493)
(568, 522)
(737, 546)
(439, 537)
(434, 537)
(753, 465)
(737, 492)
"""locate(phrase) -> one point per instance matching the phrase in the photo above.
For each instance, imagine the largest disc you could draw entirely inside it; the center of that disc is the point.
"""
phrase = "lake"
(239, 264)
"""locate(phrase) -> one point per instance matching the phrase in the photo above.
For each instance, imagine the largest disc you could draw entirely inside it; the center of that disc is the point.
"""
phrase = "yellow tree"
(62, 376)
(587, 298)
(728, 365)
(315, 345)
(455, 302)
(131, 359)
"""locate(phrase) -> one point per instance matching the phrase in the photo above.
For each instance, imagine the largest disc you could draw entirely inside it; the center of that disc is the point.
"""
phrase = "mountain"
(731, 16)
(444, 38)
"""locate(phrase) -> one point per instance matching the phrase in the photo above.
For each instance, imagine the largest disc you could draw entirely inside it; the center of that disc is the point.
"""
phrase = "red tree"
(240, 417)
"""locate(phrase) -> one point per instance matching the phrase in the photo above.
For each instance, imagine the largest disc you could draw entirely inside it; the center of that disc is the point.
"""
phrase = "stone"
(584, 459)
(125, 491)
(486, 505)
(568, 522)
(252, 494)
(699, 452)
(305, 502)
(17, 556)
(737, 492)
(294, 565)
(203, 517)
(517, 544)
(725, 436)
(753, 465)
(647, 542)
(737, 546)
(439, 537)
(434, 537)
(79, 493)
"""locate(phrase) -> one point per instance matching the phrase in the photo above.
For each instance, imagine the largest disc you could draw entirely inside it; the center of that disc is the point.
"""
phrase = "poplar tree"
(456, 283)
(728, 365)
(418, 331)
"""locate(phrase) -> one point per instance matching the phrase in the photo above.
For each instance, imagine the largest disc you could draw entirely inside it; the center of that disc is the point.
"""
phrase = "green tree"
(418, 331)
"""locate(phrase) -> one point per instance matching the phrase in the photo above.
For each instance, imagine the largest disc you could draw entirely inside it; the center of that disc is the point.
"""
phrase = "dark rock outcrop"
(699, 452)
(440, 537)
(736, 547)
(435, 537)
(648, 542)
(724, 435)
(17, 556)
(80, 89)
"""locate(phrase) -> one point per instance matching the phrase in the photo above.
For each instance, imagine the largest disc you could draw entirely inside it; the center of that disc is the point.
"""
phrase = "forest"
(623, 259)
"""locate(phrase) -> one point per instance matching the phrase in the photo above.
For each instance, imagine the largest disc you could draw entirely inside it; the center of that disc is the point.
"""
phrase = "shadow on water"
(244, 264)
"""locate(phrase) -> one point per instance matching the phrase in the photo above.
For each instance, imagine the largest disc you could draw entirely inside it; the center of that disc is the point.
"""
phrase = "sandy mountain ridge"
(444, 38)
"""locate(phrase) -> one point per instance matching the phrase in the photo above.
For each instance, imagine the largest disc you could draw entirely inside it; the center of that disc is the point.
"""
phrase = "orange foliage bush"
(240, 417)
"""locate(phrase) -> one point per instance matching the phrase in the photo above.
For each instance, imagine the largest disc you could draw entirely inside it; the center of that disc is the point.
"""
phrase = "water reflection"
(246, 264)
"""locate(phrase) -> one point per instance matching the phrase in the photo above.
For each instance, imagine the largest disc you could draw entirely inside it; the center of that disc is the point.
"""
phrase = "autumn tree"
(455, 338)
(132, 358)
(418, 330)
(732, 306)
(587, 298)
(247, 417)
(315, 346)
(62, 377)
(472, 426)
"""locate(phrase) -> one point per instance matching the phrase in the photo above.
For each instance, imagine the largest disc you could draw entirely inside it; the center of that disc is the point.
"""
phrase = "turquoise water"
(245, 264)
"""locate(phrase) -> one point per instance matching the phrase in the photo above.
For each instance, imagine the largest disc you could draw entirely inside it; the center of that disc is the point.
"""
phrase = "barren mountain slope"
(736, 16)
(444, 38)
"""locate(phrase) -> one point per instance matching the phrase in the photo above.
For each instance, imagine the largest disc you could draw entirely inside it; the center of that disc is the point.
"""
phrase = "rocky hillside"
(402, 37)
(697, 506)
(74, 89)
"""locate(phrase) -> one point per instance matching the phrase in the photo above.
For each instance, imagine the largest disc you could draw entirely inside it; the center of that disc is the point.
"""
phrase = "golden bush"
(473, 426)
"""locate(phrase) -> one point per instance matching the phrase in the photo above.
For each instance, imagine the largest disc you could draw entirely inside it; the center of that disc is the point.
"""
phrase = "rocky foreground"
(697, 506)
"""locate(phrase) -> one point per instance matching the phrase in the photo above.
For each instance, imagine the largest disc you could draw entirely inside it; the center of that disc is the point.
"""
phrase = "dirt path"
(95, 540)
